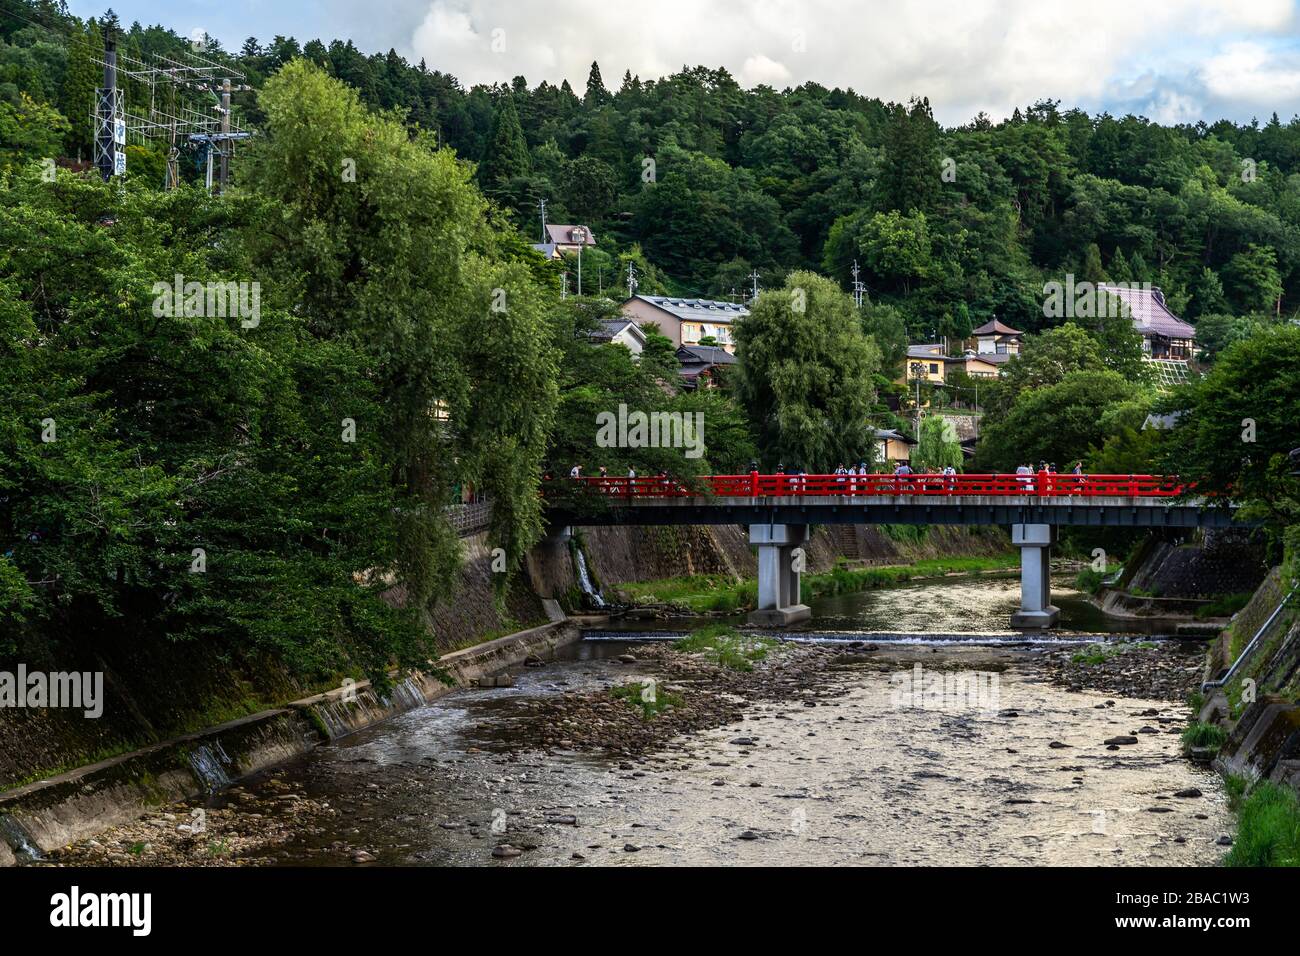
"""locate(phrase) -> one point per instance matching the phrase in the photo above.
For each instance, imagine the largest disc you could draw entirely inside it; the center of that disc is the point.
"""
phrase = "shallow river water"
(1019, 776)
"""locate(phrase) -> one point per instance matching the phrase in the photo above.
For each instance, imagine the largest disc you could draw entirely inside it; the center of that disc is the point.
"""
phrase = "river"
(1021, 779)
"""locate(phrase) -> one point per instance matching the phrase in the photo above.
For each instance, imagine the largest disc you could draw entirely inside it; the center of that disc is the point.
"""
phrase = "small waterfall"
(11, 832)
(584, 579)
(407, 694)
(209, 764)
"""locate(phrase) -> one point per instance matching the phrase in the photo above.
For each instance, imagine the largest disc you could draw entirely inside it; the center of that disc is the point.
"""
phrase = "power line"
(210, 131)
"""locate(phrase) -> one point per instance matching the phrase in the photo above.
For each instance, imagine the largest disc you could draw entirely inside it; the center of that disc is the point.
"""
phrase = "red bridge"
(754, 485)
(779, 509)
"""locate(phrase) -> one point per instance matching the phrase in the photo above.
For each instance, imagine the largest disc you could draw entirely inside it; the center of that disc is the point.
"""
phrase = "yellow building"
(928, 363)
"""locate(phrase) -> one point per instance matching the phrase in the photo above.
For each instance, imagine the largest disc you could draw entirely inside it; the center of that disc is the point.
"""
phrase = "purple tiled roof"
(1149, 312)
(563, 235)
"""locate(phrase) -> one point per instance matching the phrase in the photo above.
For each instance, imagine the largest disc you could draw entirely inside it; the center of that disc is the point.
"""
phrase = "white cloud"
(976, 54)
(760, 69)
(1252, 72)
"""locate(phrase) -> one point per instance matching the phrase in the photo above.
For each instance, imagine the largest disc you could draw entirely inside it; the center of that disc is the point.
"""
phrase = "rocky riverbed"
(857, 755)
(1167, 670)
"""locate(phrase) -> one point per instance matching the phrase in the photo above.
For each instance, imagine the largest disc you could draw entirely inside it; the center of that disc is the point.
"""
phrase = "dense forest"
(404, 310)
(950, 225)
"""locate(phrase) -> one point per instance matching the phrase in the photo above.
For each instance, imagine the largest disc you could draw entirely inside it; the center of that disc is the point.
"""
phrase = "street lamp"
(918, 369)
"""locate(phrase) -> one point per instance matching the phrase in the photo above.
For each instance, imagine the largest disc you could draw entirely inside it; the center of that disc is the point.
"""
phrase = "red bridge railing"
(754, 485)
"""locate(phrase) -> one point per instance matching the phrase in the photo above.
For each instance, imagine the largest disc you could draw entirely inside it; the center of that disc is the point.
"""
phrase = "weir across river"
(779, 509)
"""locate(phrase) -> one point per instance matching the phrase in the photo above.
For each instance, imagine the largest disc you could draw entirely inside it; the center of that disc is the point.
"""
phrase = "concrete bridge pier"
(778, 574)
(1035, 542)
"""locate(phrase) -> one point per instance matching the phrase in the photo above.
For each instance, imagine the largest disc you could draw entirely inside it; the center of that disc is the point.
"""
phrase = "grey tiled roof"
(996, 327)
(710, 310)
(706, 354)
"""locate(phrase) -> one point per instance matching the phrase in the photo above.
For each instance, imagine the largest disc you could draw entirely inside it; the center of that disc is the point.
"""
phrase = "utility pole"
(858, 287)
(564, 284)
(226, 147)
(579, 235)
(541, 204)
(753, 277)
(167, 83)
(917, 370)
(631, 280)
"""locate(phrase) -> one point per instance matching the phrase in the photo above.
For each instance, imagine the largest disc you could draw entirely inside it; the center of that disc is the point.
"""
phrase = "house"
(565, 240)
(621, 332)
(931, 362)
(988, 365)
(893, 447)
(997, 338)
(936, 366)
(1164, 335)
(700, 364)
(687, 321)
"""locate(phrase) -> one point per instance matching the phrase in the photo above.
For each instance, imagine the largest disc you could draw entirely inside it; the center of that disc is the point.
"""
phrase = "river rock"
(1122, 740)
(1188, 793)
(504, 851)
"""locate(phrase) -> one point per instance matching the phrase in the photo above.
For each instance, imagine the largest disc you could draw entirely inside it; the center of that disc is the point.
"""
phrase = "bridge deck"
(1044, 498)
(959, 509)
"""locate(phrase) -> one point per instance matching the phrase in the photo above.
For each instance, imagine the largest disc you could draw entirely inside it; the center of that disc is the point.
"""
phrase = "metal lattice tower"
(189, 105)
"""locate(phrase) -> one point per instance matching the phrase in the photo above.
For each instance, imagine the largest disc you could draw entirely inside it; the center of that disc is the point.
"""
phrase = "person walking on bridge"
(902, 473)
(1025, 477)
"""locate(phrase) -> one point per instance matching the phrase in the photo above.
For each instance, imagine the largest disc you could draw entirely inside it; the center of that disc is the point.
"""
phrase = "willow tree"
(386, 243)
(806, 371)
(937, 447)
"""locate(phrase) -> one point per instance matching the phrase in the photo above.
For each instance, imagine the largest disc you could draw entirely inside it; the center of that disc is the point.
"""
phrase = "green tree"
(505, 157)
(1237, 425)
(596, 95)
(1253, 279)
(589, 188)
(885, 325)
(1045, 359)
(909, 181)
(461, 357)
(1056, 423)
(83, 75)
(29, 131)
(806, 371)
(937, 447)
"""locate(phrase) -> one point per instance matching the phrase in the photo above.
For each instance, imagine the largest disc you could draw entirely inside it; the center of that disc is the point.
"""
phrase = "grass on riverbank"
(1095, 654)
(648, 697)
(721, 594)
(728, 647)
(1268, 828)
(1199, 734)
(1224, 605)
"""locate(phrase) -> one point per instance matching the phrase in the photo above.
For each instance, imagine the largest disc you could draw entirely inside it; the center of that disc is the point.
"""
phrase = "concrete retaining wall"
(49, 814)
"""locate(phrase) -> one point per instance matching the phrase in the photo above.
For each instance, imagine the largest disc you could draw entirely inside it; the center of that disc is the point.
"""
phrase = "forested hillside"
(951, 225)
(411, 344)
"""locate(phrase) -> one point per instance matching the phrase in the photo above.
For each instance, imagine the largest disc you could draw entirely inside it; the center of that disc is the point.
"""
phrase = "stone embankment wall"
(618, 555)
(38, 818)
(1259, 705)
(1173, 577)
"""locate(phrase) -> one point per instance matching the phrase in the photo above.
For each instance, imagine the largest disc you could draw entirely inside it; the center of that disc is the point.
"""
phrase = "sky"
(1170, 60)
